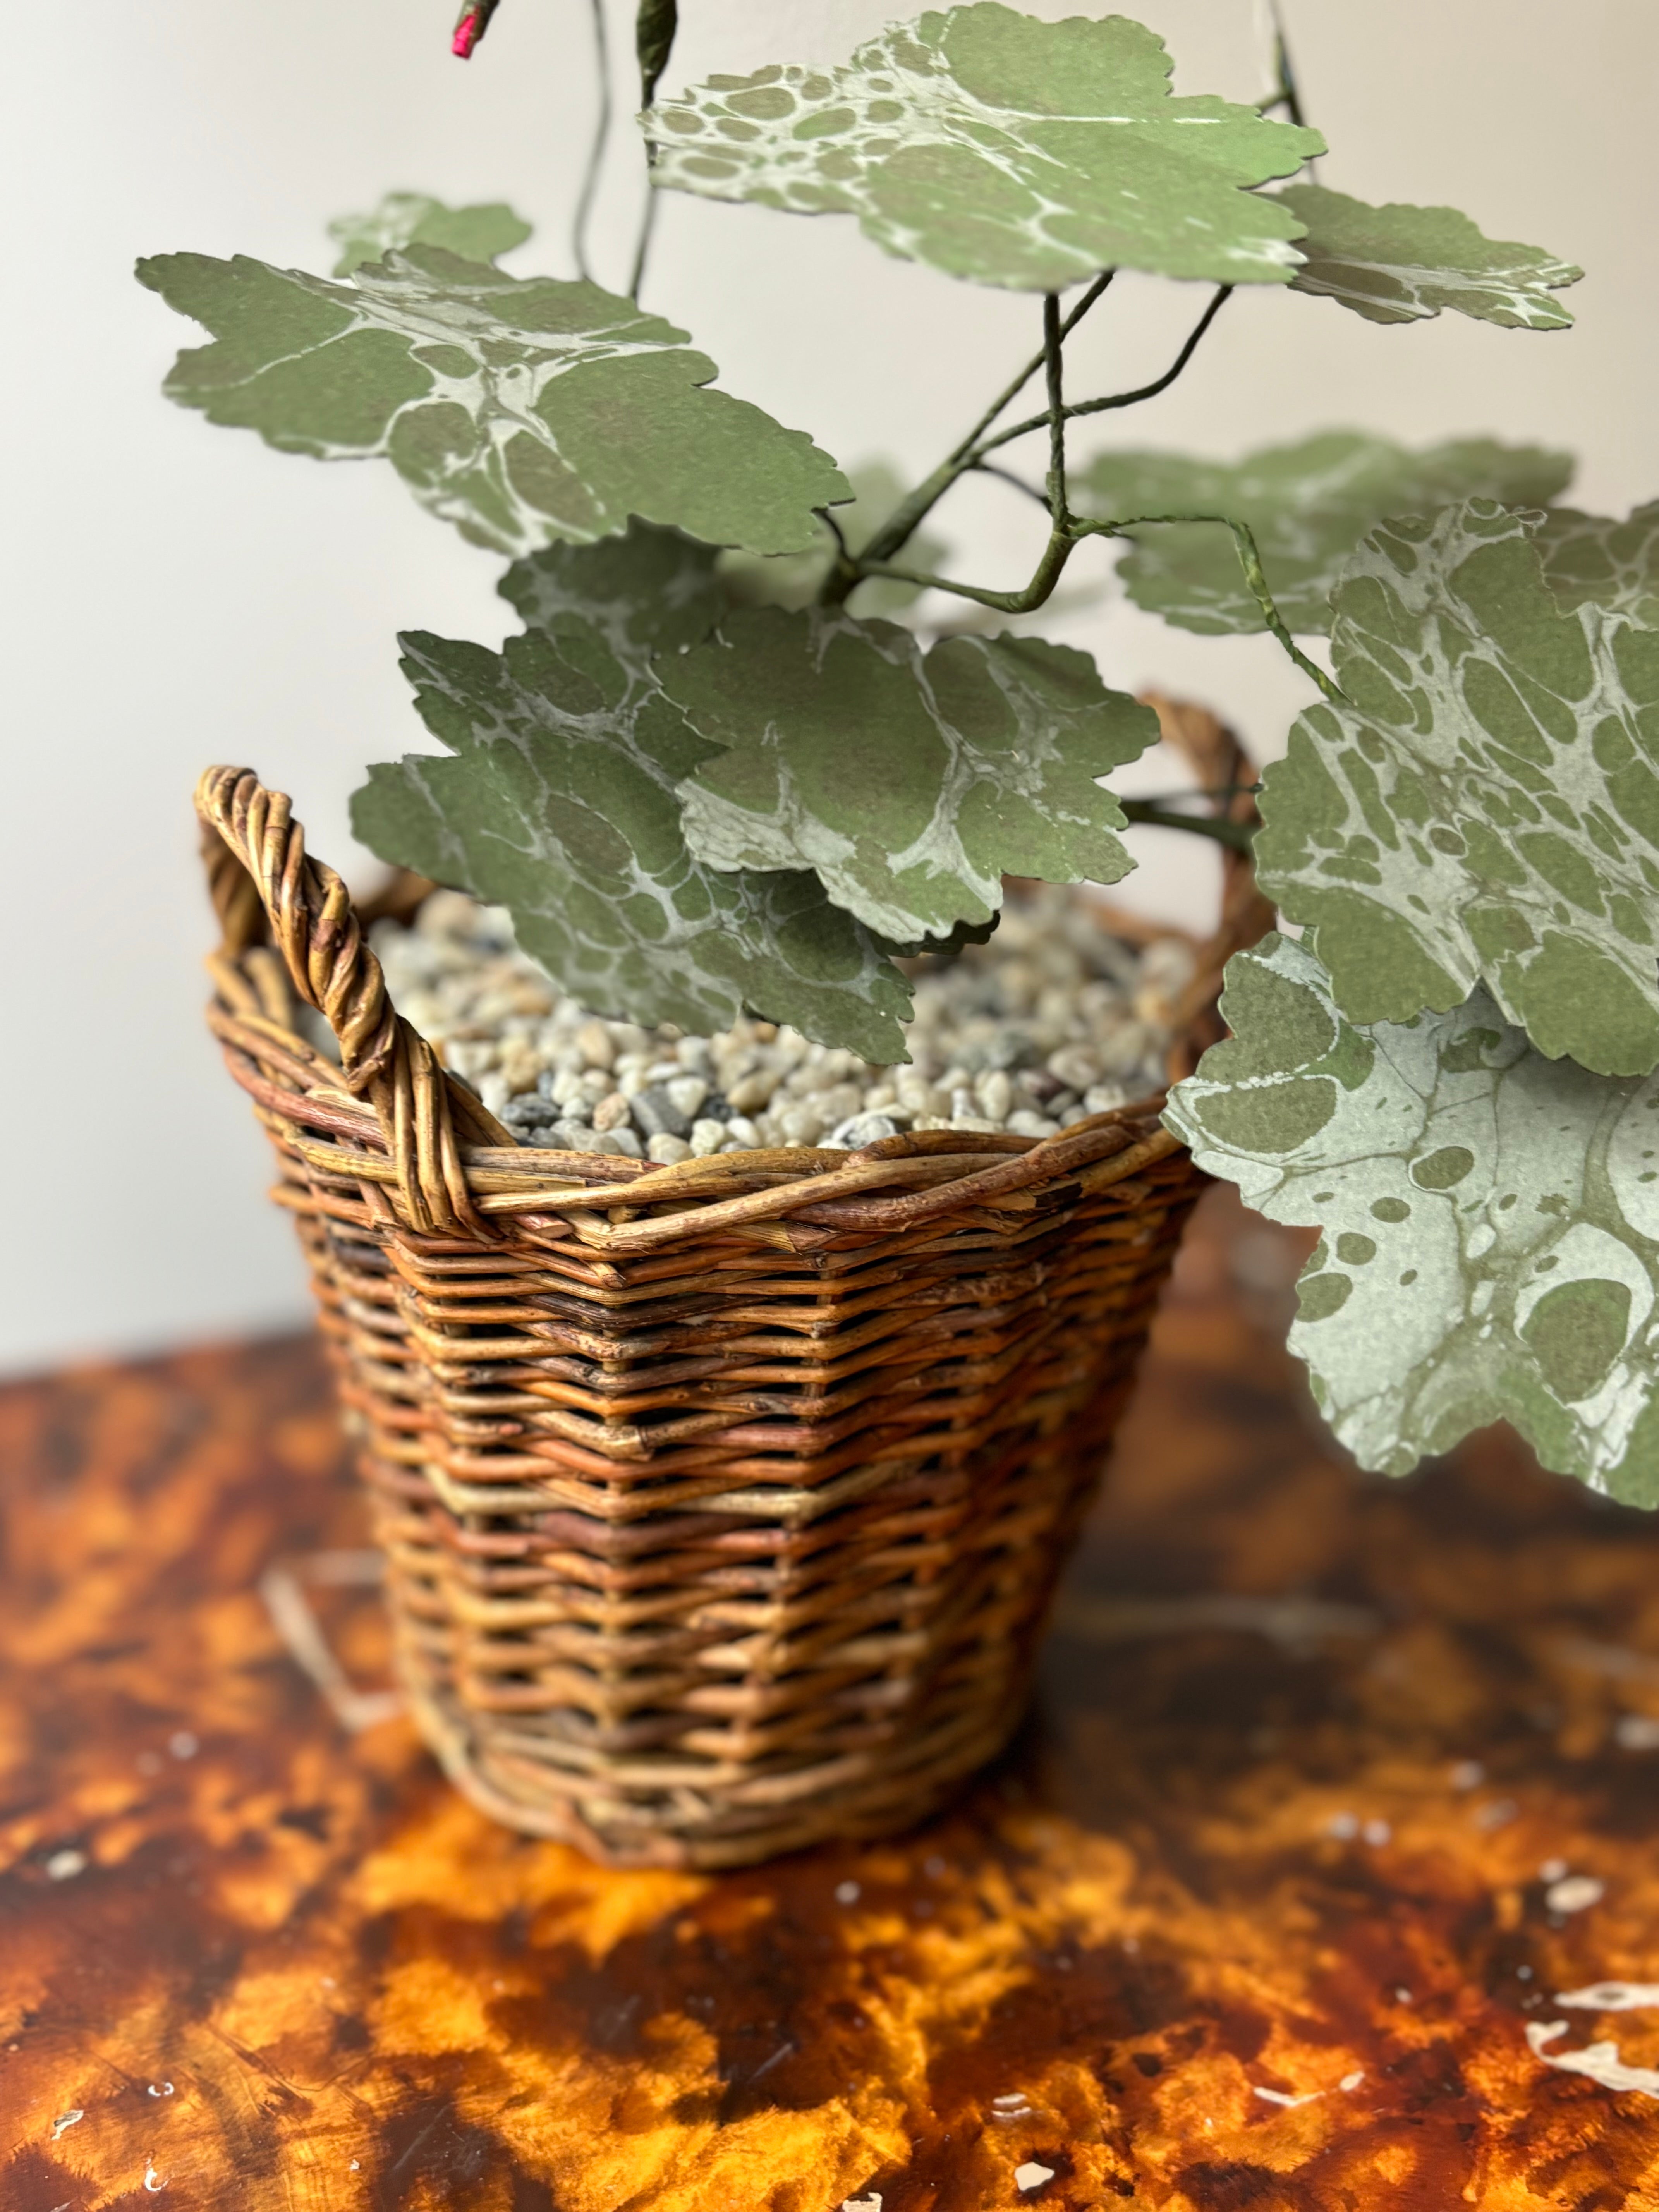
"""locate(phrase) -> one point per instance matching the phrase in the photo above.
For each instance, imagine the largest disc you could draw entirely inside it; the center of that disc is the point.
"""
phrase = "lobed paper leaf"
(1002, 148)
(649, 592)
(560, 805)
(1587, 557)
(1489, 1220)
(1398, 263)
(521, 411)
(911, 783)
(1309, 505)
(1486, 809)
(481, 233)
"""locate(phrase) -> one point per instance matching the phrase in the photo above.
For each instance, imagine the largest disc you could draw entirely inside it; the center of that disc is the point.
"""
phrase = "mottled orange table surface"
(1334, 1787)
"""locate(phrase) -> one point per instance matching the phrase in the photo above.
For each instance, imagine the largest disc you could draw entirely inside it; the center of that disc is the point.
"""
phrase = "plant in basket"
(736, 1243)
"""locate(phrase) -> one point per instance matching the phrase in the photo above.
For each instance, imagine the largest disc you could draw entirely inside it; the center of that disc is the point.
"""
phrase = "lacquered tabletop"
(1335, 1788)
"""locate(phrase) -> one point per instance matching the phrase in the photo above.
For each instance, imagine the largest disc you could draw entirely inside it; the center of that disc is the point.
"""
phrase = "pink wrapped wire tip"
(472, 23)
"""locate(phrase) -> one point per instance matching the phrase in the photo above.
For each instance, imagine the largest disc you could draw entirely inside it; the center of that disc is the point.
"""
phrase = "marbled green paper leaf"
(1309, 505)
(1490, 1219)
(651, 591)
(1616, 564)
(1486, 809)
(1002, 148)
(1398, 263)
(522, 412)
(911, 783)
(481, 233)
(560, 805)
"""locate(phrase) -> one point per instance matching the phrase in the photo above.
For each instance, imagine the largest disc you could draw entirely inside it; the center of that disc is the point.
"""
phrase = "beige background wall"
(177, 593)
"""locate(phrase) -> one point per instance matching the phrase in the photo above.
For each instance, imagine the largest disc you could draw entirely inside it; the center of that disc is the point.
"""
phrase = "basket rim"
(427, 1155)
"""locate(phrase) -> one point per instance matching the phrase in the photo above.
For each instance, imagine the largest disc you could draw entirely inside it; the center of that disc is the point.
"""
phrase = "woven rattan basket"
(722, 1503)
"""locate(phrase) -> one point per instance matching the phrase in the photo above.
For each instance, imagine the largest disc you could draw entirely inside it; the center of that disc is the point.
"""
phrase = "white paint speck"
(1353, 2080)
(352, 2168)
(65, 2121)
(327, 1981)
(870, 2203)
(1467, 1774)
(1611, 1996)
(1377, 1832)
(183, 1745)
(1283, 2097)
(1031, 2176)
(1576, 1893)
(1636, 1732)
(1599, 2061)
(1552, 1870)
(1402, 1996)
(1343, 1826)
(64, 1865)
(166, 2089)
(1524, 1973)
(847, 1893)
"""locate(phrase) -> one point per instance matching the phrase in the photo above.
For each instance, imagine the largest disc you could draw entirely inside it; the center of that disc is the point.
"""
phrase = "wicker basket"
(722, 1502)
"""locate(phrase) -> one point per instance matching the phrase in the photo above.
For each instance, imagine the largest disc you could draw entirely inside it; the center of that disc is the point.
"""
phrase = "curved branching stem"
(1250, 560)
(647, 224)
(1054, 361)
(1240, 836)
(590, 189)
(1063, 541)
(1007, 476)
(911, 511)
(1194, 338)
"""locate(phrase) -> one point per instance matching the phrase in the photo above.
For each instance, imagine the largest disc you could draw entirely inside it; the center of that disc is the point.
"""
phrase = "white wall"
(178, 593)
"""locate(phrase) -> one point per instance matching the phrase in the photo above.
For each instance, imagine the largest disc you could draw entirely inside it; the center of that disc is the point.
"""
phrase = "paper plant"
(739, 758)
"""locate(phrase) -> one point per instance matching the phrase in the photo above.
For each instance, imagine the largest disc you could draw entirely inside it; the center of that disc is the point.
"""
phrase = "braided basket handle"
(265, 887)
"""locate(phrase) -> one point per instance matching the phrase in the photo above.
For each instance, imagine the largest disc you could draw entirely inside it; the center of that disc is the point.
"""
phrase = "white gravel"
(1052, 1020)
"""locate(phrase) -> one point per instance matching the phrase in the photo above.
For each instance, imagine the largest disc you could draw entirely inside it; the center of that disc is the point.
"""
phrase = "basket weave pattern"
(722, 1503)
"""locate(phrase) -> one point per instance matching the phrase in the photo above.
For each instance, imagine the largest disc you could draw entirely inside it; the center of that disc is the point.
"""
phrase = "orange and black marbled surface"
(1244, 1846)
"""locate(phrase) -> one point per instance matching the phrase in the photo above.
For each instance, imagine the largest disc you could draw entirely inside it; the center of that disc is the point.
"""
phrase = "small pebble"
(656, 1112)
(611, 1113)
(668, 1150)
(706, 1137)
(596, 1045)
(1575, 1893)
(686, 1094)
(859, 1129)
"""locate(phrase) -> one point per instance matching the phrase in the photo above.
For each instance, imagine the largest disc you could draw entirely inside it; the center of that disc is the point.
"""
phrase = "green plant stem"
(647, 224)
(1239, 836)
(970, 454)
(1117, 398)
(1287, 95)
(914, 510)
(596, 149)
(1018, 483)
(1053, 361)
(1250, 560)
(1063, 541)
